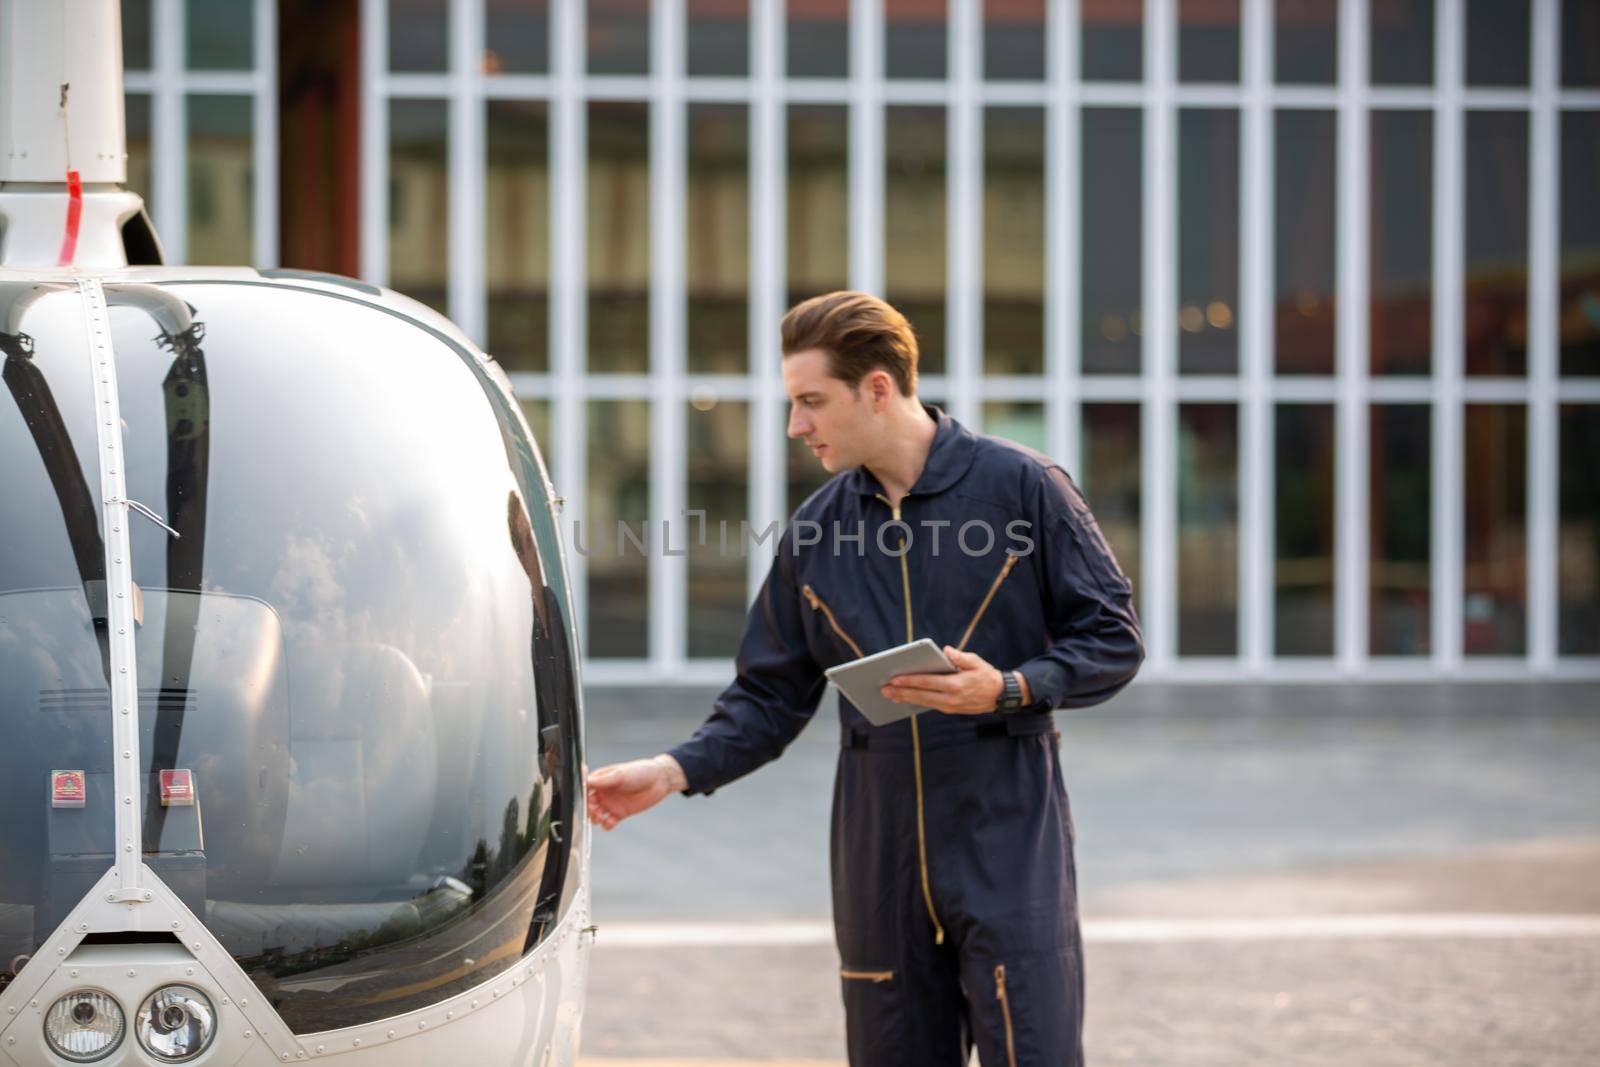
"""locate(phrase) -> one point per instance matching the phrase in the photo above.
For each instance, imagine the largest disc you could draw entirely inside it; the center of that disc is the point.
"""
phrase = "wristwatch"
(1011, 695)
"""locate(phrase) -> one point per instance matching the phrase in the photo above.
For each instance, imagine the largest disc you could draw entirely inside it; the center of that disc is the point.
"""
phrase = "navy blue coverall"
(954, 892)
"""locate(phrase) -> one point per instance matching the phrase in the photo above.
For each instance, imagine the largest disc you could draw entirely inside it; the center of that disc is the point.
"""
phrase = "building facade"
(1304, 293)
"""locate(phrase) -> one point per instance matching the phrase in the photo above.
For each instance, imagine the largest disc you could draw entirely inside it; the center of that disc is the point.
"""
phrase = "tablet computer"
(862, 680)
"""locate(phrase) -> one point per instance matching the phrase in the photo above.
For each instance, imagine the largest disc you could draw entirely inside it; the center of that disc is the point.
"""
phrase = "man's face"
(836, 422)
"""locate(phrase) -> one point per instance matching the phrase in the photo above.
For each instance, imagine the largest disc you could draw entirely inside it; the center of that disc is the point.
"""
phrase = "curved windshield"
(358, 709)
(54, 688)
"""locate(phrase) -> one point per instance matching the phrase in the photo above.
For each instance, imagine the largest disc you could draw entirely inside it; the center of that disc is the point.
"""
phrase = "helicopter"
(290, 689)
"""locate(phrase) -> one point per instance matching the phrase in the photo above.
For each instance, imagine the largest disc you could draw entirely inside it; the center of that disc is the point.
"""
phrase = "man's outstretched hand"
(625, 789)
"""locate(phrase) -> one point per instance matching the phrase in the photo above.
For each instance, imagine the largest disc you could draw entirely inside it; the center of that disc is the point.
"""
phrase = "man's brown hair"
(859, 332)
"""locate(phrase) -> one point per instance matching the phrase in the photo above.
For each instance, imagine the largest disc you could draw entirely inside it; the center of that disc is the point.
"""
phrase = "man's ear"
(882, 386)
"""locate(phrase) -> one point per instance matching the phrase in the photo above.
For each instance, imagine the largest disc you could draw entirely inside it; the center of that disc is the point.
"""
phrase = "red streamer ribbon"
(69, 240)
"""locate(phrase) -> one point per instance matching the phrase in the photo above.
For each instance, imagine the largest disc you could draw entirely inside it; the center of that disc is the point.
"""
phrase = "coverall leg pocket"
(904, 1016)
(1027, 1010)
(876, 1025)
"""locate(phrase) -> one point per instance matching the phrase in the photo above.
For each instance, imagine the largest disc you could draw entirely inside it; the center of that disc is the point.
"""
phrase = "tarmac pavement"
(1398, 874)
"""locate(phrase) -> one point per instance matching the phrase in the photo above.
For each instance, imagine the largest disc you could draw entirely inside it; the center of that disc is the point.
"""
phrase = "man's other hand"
(625, 789)
(974, 689)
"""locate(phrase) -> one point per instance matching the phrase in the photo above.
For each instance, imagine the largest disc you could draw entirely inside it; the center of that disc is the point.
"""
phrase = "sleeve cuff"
(1037, 673)
(695, 770)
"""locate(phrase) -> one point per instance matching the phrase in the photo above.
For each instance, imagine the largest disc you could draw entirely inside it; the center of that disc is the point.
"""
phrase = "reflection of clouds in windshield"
(47, 642)
(358, 484)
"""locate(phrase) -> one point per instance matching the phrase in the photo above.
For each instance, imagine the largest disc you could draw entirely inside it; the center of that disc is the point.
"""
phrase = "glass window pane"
(1013, 39)
(1208, 40)
(1013, 240)
(135, 34)
(138, 127)
(1580, 242)
(1303, 530)
(1304, 241)
(1016, 420)
(818, 41)
(1494, 608)
(1208, 530)
(362, 618)
(914, 38)
(1580, 44)
(1402, 42)
(914, 225)
(818, 194)
(719, 485)
(221, 179)
(616, 527)
(1110, 481)
(419, 35)
(1578, 583)
(1496, 328)
(1497, 42)
(718, 254)
(419, 200)
(1400, 242)
(619, 237)
(219, 34)
(719, 37)
(1112, 44)
(1400, 532)
(1306, 40)
(517, 36)
(54, 686)
(517, 238)
(1113, 227)
(1208, 241)
(618, 37)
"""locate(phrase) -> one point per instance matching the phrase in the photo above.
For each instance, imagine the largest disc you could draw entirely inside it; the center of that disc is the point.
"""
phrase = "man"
(954, 894)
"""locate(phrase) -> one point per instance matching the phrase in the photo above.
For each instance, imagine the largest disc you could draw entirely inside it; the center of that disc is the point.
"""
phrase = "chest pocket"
(820, 606)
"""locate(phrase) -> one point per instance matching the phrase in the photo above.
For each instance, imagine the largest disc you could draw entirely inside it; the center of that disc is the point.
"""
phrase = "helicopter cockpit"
(359, 734)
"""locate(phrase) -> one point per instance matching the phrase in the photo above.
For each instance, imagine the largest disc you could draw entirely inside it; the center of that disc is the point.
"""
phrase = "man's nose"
(798, 427)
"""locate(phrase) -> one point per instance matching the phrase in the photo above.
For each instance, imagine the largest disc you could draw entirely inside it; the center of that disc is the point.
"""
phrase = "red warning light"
(66, 789)
(177, 788)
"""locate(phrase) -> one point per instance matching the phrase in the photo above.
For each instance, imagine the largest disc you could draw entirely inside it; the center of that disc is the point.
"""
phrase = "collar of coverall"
(948, 459)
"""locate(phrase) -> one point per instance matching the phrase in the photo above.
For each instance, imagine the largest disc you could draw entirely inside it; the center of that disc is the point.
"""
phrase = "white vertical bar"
(122, 660)
(768, 249)
(568, 288)
(1063, 236)
(1449, 509)
(374, 142)
(1256, 552)
(466, 148)
(169, 131)
(1351, 532)
(264, 121)
(866, 145)
(1158, 454)
(668, 455)
(964, 207)
(1544, 187)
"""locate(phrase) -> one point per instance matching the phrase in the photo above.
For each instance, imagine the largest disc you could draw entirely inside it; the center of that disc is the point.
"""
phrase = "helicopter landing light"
(66, 789)
(177, 789)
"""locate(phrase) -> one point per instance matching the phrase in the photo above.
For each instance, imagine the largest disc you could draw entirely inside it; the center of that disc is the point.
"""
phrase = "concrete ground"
(1399, 874)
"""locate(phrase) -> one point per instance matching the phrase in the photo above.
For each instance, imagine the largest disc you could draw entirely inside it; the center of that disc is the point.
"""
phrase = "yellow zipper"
(1005, 569)
(916, 742)
(1005, 1011)
(868, 976)
(818, 605)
